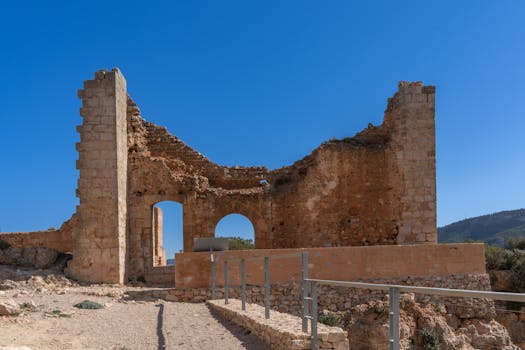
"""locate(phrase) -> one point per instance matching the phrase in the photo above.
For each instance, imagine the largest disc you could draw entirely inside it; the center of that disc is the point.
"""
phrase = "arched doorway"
(167, 232)
(239, 229)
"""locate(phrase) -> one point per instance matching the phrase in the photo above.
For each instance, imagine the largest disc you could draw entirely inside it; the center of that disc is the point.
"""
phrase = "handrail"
(226, 260)
(309, 295)
(520, 297)
(393, 291)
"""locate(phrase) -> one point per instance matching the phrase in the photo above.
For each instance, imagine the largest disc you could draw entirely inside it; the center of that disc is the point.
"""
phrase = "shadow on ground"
(249, 340)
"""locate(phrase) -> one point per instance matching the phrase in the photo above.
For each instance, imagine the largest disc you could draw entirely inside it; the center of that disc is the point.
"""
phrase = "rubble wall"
(286, 296)
(376, 188)
(51, 239)
(60, 240)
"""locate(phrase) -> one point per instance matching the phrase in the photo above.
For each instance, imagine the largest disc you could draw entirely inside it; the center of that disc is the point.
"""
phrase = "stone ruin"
(363, 207)
(376, 188)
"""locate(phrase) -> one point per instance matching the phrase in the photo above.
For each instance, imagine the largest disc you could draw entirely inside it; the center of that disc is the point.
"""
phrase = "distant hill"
(494, 228)
(170, 262)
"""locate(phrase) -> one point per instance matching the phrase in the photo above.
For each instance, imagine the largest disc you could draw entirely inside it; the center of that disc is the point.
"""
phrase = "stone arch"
(254, 209)
(235, 225)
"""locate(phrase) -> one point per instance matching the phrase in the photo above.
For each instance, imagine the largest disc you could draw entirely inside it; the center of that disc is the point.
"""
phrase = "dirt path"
(123, 324)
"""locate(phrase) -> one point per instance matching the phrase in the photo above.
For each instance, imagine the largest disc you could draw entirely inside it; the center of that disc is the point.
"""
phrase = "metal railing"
(393, 291)
(310, 298)
(267, 285)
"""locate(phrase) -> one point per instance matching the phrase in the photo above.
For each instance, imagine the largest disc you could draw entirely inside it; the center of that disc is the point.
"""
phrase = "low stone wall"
(161, 276)
(54, 239)
(336, 263)
(280, 331)
(285, 297)
(60, 240)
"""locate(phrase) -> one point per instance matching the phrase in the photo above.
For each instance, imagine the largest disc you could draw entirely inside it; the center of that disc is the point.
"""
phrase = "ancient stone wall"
(100, 244)
(338, 263)
(286, 296)
(376, 188)
(60, 240)
(51, 239)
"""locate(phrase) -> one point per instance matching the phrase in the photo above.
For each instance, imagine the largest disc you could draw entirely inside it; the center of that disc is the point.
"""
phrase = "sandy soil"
(126, 322)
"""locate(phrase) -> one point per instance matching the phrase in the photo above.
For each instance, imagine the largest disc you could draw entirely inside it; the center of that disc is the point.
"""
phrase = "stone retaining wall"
(280, 331)
(285, 297)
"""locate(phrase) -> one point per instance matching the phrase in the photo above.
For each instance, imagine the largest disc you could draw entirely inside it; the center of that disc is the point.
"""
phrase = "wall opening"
(239, 228)
(168, 237)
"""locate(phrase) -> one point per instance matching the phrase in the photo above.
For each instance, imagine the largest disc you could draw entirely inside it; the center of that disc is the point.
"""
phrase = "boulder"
(367, 326)
(45, 257)
(8, 307)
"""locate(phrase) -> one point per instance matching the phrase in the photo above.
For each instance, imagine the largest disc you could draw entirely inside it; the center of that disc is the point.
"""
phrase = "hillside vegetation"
(512, 259)
(494, 229)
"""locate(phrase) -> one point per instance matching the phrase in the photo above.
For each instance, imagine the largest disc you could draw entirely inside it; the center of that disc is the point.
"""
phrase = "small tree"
(518, 267)
(516, 243)
(430, 339)
(238, 243)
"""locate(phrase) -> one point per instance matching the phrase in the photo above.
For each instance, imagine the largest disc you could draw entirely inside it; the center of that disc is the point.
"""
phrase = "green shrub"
(509, 259)
(88, 305)
(430, 339)
(518, 267)
(57, 313)
(497, 258)
(238, 243)
(516, 243)
(330, 319)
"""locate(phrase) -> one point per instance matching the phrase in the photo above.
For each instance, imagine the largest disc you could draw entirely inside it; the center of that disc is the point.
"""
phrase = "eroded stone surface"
(376, 188)
(39, 257)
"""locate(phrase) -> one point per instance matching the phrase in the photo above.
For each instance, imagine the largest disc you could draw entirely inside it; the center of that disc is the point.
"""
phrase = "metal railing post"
(266, 287)
(212, 276)
(393, 329)
(225, 281)
(313, 287)
(243, 283)
(304, 268)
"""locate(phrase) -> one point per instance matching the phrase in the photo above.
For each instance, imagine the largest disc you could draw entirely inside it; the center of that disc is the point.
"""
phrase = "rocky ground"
(424, 326)
(37, 312)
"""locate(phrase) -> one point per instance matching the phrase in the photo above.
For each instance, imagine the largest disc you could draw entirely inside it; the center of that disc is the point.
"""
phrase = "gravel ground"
(54, 323)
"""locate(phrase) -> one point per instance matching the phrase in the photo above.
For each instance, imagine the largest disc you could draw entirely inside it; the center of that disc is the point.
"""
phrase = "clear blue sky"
(264, 83)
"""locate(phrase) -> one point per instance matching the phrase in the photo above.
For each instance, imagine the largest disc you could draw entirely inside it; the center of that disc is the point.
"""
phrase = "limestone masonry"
(376, 188)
